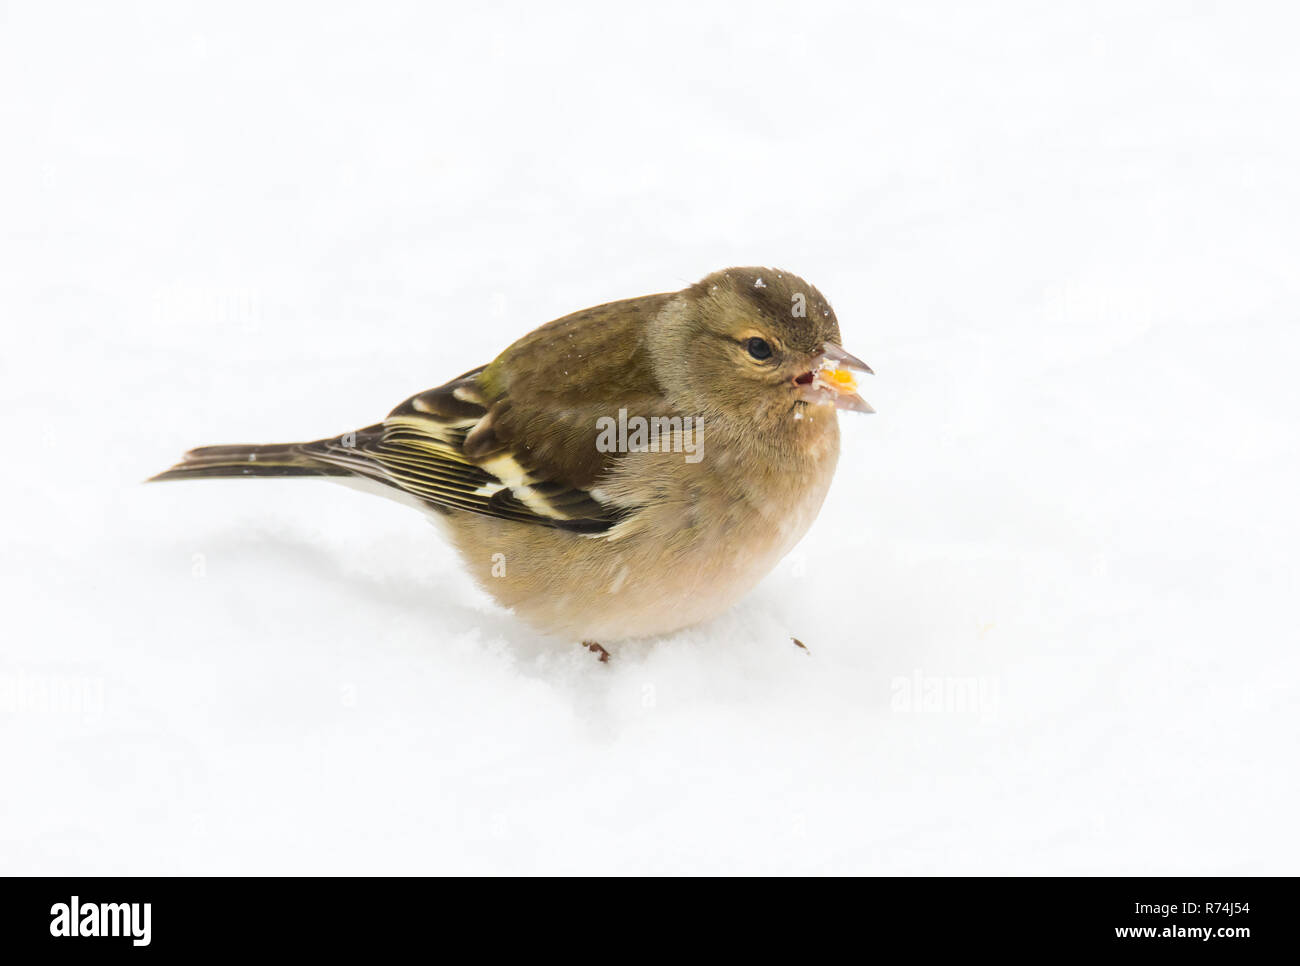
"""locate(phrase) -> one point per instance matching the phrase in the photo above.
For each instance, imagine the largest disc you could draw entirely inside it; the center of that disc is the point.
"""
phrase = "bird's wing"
(420, 449)
(517, 439)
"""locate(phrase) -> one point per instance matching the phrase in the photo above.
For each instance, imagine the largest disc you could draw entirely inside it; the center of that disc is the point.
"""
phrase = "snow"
(1049, 605)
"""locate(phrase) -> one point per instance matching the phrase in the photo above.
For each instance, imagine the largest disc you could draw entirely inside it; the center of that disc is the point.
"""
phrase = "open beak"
(830, 380)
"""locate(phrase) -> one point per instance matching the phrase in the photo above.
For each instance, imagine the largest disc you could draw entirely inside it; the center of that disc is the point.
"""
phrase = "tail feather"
(272, 459)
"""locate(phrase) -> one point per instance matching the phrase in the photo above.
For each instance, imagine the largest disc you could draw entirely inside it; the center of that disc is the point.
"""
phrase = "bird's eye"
(758, 348)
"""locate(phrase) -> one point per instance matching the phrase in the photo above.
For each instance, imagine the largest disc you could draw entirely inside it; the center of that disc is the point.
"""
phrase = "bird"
(622, 472)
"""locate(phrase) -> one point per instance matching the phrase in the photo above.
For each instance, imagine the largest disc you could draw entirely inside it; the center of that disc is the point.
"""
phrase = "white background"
(1064, 235)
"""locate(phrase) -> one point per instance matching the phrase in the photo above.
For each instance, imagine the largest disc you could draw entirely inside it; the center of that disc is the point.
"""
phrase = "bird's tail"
(272, 459)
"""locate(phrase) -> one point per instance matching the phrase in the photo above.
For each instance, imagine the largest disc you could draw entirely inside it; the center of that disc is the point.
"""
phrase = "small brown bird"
(621, 472)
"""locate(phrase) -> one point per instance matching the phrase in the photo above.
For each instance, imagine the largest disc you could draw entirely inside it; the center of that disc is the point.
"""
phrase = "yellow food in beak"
(831, 381)
(841, 380)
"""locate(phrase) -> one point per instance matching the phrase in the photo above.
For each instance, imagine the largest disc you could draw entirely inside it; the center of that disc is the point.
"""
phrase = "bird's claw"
(597, 649)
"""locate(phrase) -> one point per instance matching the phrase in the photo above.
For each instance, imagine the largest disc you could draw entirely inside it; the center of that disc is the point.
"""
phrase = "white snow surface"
(1049, 604)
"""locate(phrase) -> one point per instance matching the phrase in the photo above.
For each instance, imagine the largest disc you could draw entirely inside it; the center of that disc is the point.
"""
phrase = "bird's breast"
(698, 536)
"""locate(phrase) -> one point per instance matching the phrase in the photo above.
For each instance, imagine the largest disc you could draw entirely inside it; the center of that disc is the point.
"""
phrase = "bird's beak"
(830, 380)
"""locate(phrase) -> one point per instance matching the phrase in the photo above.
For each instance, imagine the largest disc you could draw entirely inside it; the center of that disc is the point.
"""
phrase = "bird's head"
(756, 342)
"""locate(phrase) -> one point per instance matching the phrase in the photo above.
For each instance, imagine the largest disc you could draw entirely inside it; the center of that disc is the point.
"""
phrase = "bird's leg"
(596, 649)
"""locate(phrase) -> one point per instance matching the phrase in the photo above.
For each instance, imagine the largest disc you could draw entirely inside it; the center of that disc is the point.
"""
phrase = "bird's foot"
(596, 649)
